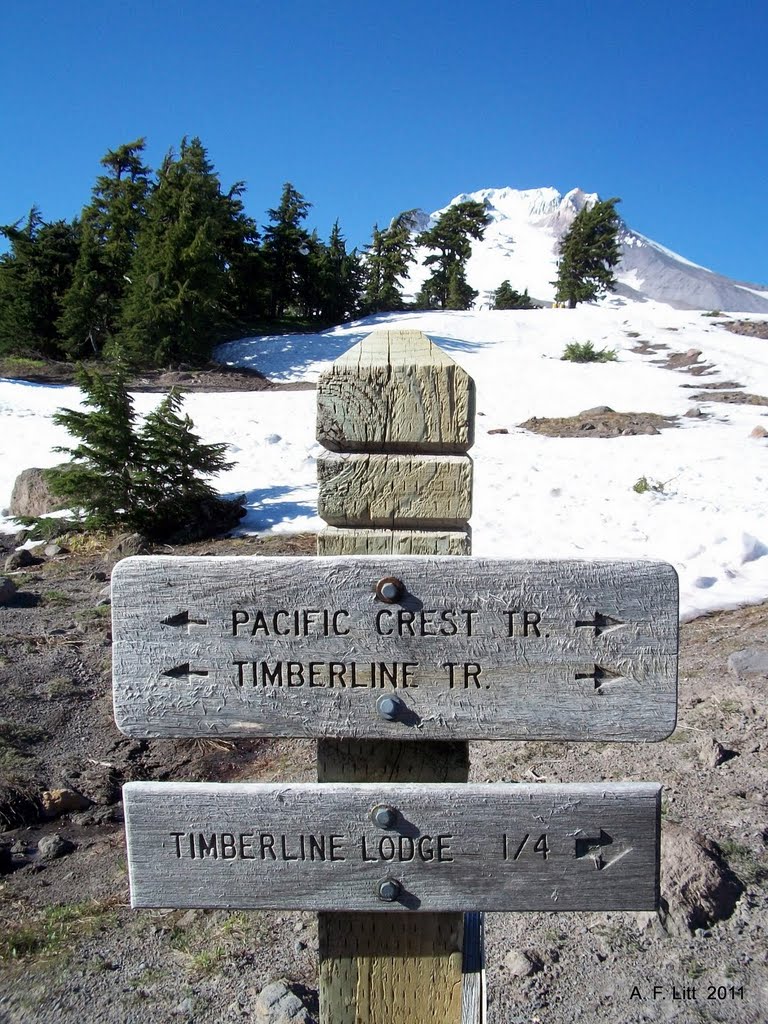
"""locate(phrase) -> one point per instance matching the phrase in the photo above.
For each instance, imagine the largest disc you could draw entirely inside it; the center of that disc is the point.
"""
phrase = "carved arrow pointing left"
(183, 619)
(185, 672)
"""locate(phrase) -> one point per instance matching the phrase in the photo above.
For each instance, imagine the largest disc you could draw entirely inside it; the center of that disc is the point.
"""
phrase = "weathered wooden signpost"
(394, 662)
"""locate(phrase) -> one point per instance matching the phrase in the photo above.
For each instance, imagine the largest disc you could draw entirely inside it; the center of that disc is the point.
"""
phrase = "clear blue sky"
(372, 108)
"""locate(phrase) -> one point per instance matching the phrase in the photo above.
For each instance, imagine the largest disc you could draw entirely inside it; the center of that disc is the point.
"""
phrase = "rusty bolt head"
(388, 889)
(384, 816)
(389, 590)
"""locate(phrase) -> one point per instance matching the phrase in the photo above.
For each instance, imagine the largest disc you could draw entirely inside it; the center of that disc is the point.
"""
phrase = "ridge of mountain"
(520, 245)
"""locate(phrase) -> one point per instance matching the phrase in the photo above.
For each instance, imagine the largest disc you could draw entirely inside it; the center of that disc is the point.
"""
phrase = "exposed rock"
(521, 965)
(277, 1003)
(32, 496)
(126, 545)
(7, 590)
(758, 432)
(61, 801)
(751, 661)
(19, 559)
(51, 550)
(695, 413)
(604, 424)
(716, 754)
(498, 430)
(598, 410)
(697, 886)
(52, 847)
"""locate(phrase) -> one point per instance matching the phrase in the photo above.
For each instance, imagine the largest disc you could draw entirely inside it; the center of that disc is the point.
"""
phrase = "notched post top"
(396, 391)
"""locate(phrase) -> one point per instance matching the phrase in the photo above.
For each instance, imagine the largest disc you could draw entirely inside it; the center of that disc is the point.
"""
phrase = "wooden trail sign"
(461, 648)
(402, 847)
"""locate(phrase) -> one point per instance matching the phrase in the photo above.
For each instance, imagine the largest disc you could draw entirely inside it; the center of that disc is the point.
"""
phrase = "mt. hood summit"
(520, 246)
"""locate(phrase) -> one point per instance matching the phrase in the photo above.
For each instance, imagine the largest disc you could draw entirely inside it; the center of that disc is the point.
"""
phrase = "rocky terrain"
(71, 949)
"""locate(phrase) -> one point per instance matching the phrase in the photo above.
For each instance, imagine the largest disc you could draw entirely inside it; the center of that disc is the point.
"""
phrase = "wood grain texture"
(395, 391)
(340, 541)
(200, 648)
(314, 846)
(377, 973)
(426, 491)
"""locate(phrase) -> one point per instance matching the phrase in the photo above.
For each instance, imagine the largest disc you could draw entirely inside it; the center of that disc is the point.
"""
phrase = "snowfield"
(534, 496)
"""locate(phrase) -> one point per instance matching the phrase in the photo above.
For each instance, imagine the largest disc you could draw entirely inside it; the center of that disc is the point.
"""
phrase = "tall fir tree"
(183, 295)
(387, 259)
(589, 251)
(451, 236)
(110, 226)
(286, 249)
(35, 276)
(340, 280)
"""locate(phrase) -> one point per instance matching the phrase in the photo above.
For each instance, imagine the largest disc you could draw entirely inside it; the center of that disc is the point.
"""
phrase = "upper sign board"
(393, 846)
(400, 647)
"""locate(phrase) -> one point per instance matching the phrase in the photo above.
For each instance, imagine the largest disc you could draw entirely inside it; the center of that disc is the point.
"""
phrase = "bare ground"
(71, 950)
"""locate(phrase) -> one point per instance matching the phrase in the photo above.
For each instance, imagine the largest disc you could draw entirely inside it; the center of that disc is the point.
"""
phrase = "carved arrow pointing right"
(601, 623)
(600, 675)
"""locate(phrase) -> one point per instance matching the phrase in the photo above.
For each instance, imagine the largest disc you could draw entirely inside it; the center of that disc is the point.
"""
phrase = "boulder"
(19, 560)
(52, 847)
(759, 432)
(521, 965)
(277, 1003)
(32, 496)
(751, 661)
(7, 590)
(126, 545)
(698, 888)
(61, 801)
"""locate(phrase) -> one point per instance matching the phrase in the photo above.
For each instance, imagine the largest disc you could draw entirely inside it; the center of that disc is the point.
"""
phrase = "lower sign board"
(402, 647)
(397, 847)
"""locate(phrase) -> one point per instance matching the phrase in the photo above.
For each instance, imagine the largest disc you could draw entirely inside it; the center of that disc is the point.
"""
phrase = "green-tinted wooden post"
(397, 417)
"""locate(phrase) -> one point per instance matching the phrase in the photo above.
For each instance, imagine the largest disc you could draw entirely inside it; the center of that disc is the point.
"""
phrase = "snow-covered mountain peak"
(521, 246)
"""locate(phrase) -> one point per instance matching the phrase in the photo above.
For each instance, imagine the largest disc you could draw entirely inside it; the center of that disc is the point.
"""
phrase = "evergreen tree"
(588, 253)
(451, 236)
(185, 287)
(505, 297)
(110, 225)
(100, 480)
(147, 479)
(286, 247)
(173, 494)
(340, 280)
(387, 259)
(35, 275)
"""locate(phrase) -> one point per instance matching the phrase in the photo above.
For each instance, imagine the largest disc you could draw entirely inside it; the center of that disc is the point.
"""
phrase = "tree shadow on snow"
(264, 510)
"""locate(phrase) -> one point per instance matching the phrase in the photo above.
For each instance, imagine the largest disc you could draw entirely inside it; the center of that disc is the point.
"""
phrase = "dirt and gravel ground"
(71, 950)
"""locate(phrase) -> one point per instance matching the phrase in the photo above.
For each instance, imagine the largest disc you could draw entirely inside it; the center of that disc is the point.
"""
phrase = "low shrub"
(585, 352)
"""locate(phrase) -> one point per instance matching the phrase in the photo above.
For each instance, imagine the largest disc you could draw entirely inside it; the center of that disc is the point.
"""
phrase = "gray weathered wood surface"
(314, 846)
(335, 540)
(395, 390)
(394, 490)
(592, 655)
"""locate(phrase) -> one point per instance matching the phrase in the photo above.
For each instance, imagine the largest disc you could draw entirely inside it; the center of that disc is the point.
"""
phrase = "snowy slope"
(520, 245)
(534, 496)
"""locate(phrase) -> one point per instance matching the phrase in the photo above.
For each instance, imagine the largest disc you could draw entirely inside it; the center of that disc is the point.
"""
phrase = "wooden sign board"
(449, 648)
(442, 847)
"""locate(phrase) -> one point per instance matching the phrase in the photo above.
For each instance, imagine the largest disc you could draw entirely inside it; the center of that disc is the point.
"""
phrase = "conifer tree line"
(161, 266)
